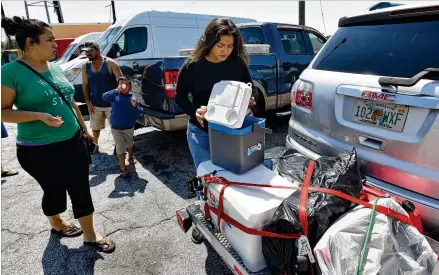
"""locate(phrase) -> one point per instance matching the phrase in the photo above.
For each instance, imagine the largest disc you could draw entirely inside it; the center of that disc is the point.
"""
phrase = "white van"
(74, 49)
(160, 34)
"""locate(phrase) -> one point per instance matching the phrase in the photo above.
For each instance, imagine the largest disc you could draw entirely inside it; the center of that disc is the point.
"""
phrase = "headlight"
(72, 74)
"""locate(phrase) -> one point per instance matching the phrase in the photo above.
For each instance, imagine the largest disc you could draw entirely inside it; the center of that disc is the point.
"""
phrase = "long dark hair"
(23, 28)
(212, 35)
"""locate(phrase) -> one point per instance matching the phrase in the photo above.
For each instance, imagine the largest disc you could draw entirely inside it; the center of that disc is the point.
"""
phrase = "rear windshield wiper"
(408, 82)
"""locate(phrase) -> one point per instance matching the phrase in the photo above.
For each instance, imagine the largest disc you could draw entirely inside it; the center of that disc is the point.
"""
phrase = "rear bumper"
(427, 207)
(164, 121)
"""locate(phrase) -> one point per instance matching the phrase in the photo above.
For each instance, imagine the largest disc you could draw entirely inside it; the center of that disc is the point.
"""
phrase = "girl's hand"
(200, 113)
(252, 102)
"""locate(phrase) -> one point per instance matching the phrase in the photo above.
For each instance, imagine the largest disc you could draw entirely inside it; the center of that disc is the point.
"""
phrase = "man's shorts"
(97, 119)
(123, 139)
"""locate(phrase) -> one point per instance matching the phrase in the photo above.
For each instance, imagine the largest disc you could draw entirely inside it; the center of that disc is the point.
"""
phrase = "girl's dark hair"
(216, 28)
(23, 28)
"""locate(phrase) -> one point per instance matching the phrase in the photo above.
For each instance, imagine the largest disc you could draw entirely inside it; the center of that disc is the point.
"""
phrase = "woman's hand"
(200, 113)
(50, 120)
(90, 135)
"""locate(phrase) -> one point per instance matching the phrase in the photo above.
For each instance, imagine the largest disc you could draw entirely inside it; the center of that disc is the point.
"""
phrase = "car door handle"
(372, 142)
(135, 66)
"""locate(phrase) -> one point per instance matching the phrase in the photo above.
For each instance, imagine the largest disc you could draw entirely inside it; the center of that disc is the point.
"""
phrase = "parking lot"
(139, 213)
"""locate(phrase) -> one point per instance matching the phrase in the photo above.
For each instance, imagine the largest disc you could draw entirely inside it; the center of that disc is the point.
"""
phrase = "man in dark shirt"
(99, 75)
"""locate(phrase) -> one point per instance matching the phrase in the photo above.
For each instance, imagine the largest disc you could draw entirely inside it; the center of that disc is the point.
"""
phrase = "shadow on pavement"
(127, 187)
(59, 259)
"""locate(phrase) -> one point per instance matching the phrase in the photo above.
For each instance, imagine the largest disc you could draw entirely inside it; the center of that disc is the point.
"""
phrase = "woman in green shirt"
(48, 138)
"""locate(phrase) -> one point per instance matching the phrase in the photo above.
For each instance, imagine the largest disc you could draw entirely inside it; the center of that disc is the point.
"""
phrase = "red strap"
(247, 230)
(381, 209)
(220, 205)
(303, 201)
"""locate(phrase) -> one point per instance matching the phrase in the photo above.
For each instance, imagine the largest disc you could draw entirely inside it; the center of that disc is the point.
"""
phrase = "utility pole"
(114, 11)
(47, 12)
(57, 7)
(27, 11)
(301, 12)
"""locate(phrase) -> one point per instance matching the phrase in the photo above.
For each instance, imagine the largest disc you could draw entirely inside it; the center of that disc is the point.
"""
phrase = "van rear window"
(399, 50)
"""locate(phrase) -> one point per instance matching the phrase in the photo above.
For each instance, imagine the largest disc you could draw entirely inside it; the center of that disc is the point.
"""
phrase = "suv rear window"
(399, 50)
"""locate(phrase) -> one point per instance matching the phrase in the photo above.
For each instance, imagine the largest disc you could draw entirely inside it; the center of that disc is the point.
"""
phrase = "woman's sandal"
(105, 245)
(69, 231)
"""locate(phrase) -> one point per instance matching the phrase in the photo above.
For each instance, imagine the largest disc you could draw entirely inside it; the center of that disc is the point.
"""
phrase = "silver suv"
(375, 86)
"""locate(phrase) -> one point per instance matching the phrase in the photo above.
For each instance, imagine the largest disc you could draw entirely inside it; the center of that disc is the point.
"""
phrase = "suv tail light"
(170, 83)
(301, 94)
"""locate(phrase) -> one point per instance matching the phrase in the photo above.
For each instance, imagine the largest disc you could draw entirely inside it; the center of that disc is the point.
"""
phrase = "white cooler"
(250, 206)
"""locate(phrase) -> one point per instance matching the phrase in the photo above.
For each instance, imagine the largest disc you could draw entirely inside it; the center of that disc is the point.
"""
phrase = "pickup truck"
(292, 48)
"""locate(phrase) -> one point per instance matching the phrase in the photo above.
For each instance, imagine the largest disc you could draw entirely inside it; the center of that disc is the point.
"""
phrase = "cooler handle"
(259, 129)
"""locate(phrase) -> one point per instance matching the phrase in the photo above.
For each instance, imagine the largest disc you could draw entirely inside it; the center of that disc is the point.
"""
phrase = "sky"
(274, 11)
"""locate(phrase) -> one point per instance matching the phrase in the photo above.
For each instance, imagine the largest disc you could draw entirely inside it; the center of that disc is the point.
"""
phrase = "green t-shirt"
(36, 95)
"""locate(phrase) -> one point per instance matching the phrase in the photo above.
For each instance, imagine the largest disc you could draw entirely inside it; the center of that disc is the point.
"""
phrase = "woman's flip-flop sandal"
(69, 231)
(105, 245)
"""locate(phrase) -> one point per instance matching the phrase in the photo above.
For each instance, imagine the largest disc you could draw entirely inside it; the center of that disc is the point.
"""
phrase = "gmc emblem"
(378, 96)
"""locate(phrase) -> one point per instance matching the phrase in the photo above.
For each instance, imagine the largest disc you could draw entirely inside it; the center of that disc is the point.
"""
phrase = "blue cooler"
(238, 150)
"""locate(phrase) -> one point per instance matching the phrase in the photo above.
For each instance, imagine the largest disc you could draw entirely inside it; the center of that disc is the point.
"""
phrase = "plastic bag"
(341, 174)
(394, 247)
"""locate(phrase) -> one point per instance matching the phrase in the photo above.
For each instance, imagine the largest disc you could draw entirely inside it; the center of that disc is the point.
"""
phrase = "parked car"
(291, 49)
(74, 48)
(148, 34)
(375, 86)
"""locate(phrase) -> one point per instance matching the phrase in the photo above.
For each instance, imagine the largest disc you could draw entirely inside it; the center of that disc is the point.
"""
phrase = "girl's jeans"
(198, 141)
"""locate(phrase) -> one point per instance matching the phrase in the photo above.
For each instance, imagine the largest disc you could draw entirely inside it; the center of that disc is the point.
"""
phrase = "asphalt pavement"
(138, 213)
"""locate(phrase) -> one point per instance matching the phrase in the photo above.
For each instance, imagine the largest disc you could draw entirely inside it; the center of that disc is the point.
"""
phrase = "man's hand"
(133, 101)
(91, 108)
(200, 113)
(50, 120)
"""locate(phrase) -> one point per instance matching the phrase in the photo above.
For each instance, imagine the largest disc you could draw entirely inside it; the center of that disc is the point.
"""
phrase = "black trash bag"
(342, 174)
(289, 163)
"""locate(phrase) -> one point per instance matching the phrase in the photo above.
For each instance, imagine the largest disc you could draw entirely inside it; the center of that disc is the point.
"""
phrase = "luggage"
(251, 207)
(341, 174)
(394, 247)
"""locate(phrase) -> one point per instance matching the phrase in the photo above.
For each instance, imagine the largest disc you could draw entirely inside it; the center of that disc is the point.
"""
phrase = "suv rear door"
(394, 128)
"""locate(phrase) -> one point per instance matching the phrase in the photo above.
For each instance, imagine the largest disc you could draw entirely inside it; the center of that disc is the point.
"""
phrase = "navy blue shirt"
(123, 114)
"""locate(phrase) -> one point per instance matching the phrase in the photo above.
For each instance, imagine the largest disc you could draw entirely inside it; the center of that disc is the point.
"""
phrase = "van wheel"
(197, 237)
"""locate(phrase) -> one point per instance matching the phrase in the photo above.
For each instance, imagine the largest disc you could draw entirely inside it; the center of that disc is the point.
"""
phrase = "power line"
(187, 5)
(323, 18)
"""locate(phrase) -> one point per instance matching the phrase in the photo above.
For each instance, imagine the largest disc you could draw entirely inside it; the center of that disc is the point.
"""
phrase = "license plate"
(378, 114)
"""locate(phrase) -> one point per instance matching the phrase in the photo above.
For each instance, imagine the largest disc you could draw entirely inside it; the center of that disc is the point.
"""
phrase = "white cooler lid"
(253, 205)
(228, 103)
